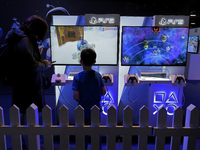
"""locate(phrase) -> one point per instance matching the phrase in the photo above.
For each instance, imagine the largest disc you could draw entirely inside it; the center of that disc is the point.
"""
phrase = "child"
(88, 85)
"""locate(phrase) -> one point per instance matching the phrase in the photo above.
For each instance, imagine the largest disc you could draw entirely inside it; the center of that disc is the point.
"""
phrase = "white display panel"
(67, 42)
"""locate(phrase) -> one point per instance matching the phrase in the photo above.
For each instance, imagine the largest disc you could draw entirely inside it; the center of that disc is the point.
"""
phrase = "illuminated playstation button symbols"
(159, 101)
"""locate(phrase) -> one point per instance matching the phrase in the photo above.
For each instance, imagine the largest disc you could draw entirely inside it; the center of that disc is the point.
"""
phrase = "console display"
(193, 44)
(67, 42)
(154, 46)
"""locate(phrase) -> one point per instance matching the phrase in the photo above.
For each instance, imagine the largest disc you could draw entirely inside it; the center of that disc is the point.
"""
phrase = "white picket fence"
(190, 132)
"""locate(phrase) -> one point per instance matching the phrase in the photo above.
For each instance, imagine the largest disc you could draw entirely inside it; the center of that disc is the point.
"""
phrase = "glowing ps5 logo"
(170, 104)
(95, 20)
(171, 21)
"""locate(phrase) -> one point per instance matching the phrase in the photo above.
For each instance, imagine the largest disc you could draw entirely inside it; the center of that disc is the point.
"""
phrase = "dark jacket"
(27, 68)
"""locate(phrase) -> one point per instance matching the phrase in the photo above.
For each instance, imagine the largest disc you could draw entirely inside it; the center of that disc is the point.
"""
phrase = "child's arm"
(76, 95)
(103, 90)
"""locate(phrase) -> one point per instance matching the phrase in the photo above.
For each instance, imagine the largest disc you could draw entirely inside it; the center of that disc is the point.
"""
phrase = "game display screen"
(193, 44)
(67, 42)
(154, 46)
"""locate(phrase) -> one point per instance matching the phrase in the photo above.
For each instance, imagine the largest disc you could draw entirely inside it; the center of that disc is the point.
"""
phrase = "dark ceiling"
(194, 9)
(161, 7)
(168, 7)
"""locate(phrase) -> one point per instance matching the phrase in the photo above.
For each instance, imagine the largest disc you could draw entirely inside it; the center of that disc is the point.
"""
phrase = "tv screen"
(193, 44)
(154, 46)
(67, 42)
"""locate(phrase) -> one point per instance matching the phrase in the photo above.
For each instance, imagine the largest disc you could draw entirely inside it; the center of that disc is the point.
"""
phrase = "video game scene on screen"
(67, 42)
(193, 44)
(151, 46)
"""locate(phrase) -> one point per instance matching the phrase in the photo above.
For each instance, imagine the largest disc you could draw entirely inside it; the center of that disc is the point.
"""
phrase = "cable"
(183, 96)
(129, 93)
(64, 98)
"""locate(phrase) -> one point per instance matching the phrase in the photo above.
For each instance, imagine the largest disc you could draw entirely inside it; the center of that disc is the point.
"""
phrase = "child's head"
(88, 57)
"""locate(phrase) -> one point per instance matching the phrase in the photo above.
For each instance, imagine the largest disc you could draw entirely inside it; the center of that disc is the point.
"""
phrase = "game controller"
(107, 78)
(178, 79)
(58, 79)
(131, 79)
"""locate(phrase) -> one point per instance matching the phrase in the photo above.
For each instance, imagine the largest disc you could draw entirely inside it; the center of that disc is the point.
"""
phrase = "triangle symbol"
(108, 98)
(172, 98)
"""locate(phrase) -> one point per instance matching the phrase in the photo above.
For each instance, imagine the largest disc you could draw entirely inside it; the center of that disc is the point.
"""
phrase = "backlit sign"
(171, 21)
(102, 19)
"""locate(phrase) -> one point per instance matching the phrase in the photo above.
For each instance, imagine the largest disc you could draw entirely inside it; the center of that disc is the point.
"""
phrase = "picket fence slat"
(143, 122)
(95, 122)
(190, 132)
(33, 120)
(47, 122)
(64, 121)
(161, 123)
(127, 122)
(2, 137)
(95, 116)
(15, 121)
(111, 122)
(192, 119)
(177, 123)
(79, 122)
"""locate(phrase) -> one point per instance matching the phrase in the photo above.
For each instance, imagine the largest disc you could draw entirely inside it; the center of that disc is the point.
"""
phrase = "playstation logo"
(95, 20)
(163, 21)
(171, 21)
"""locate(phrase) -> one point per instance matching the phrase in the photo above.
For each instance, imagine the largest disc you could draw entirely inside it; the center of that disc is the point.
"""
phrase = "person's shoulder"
(97, 73)
(78, 75)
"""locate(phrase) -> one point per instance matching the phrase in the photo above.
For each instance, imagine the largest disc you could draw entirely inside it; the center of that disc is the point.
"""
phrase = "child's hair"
(88, 56)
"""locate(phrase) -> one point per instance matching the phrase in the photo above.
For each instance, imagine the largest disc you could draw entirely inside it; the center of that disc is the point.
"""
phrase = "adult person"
(27, 64)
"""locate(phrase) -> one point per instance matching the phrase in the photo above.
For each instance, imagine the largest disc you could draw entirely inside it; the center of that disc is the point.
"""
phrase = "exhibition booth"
(142, 60)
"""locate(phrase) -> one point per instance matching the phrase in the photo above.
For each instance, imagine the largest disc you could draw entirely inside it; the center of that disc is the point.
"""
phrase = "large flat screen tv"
(193, 44)
(154, 46)
(67, 42)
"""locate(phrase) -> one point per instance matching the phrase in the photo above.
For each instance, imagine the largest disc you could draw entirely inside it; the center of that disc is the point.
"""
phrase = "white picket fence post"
(127, 123)
(161, 123)
(111, 123)
(192, 119)
(3, 145)
(177, 123)
(47, 122)
(33, 129)
(64, 122)
(32, 121)
(15, 122)
(79, 123)
(95, 122)
(144, 123)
